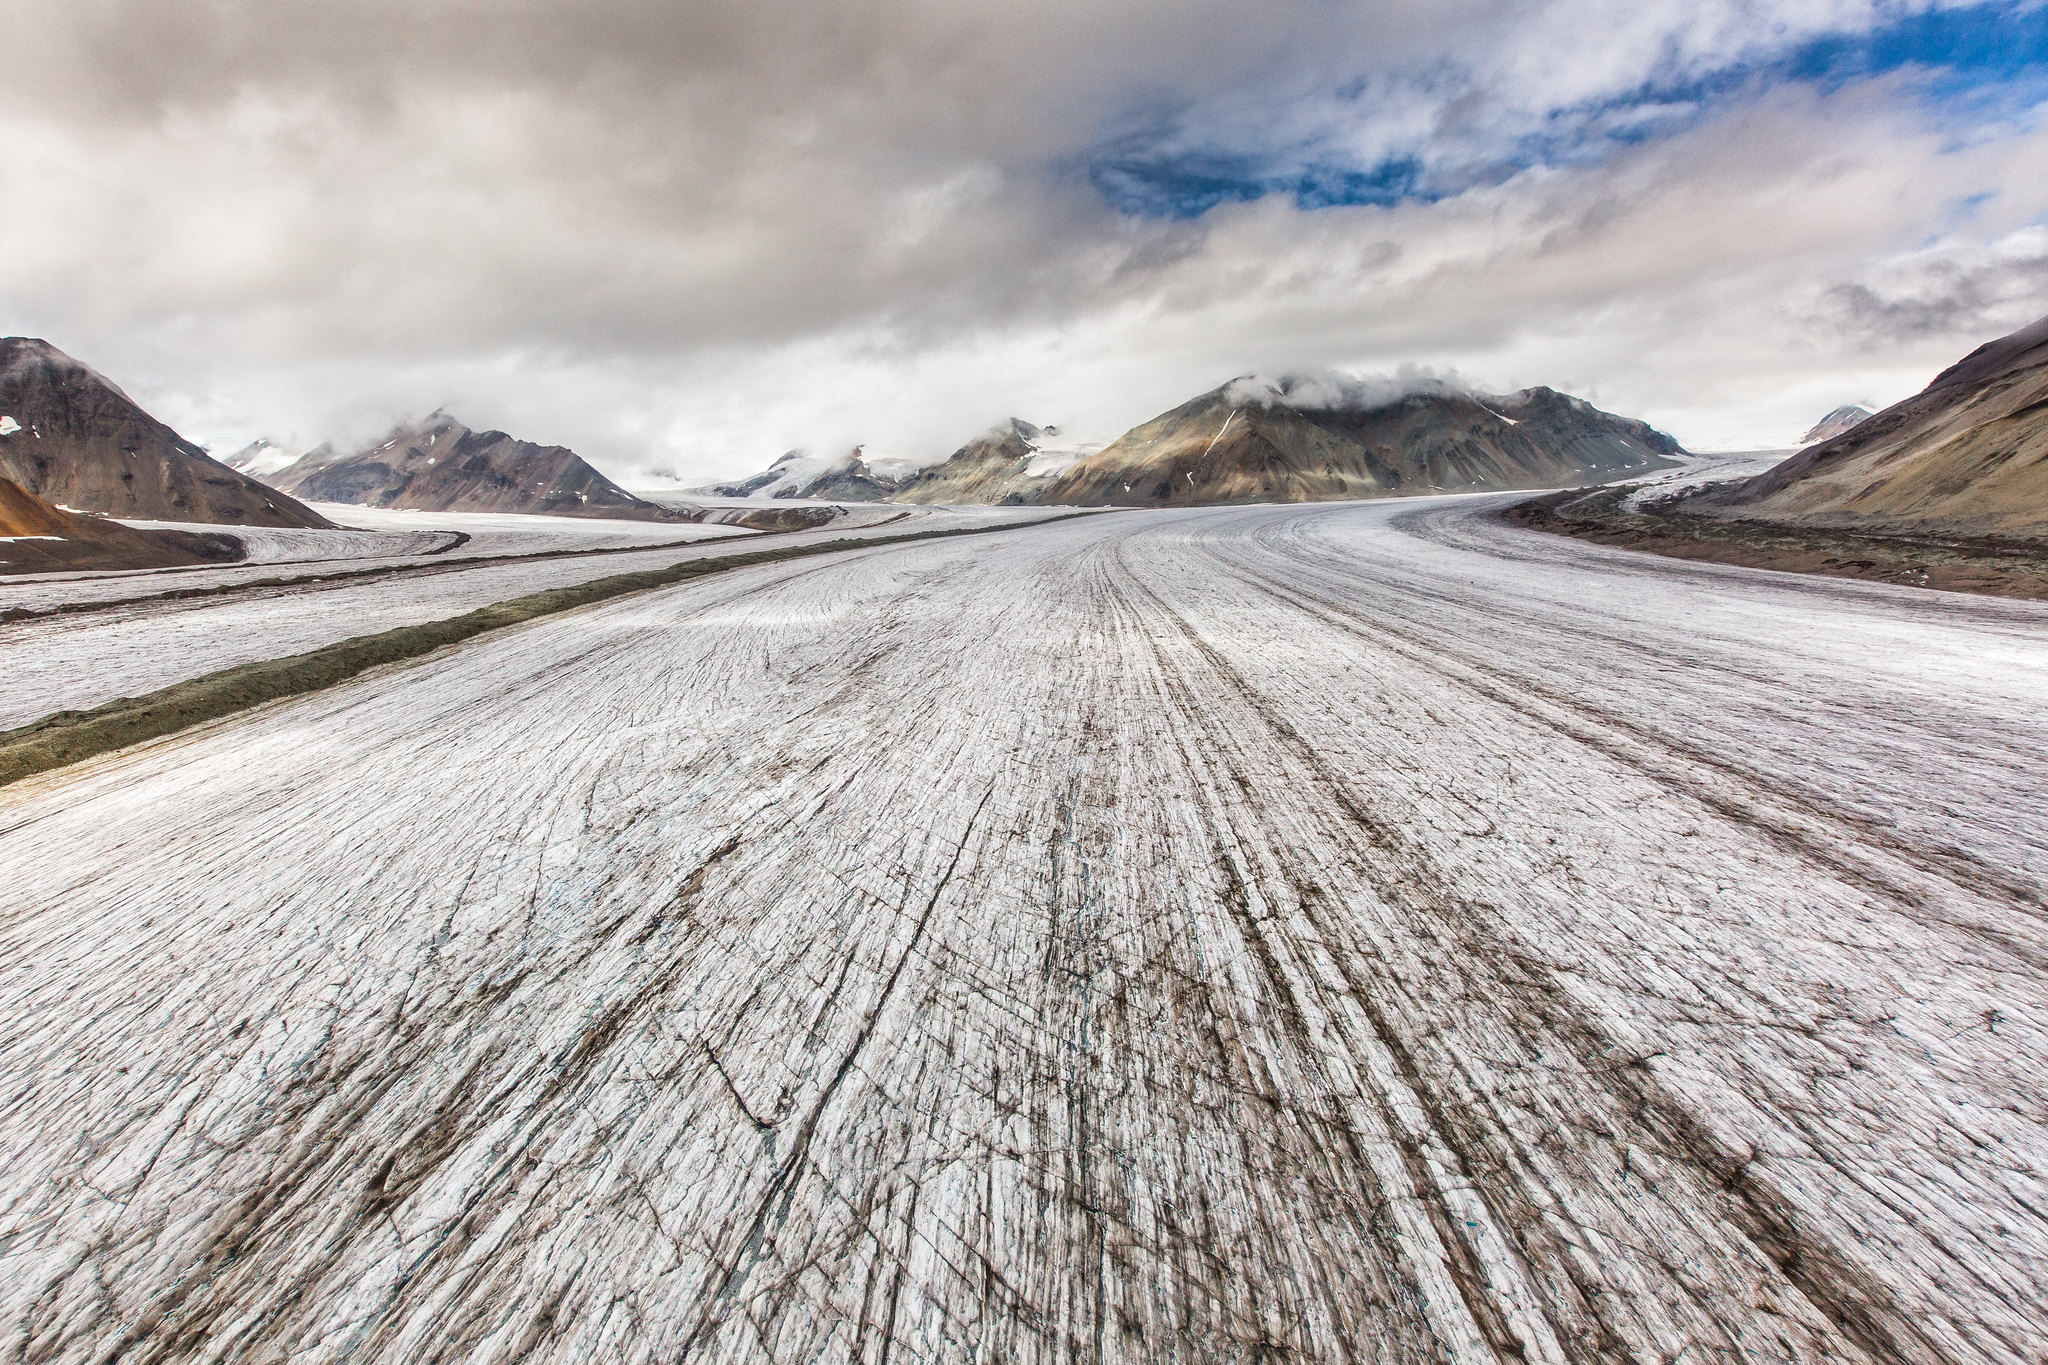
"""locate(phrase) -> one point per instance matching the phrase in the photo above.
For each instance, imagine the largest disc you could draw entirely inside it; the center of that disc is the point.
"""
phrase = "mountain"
(1301, 439)
(440, 465)
(1008, 464)
(36, 537)
(1312, 438)
(71, 437)
(1835, 423)
(1966, 455)
(260, 459)
(796, 474)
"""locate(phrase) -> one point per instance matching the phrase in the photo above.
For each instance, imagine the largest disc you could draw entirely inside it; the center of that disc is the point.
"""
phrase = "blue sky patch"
(1983, 62)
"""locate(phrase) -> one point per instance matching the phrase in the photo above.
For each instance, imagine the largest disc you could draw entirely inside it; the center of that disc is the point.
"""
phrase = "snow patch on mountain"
(792, 472)
(1052, 461)
(852, 476)
(892, 468)
(1051, 452)
(260, 459)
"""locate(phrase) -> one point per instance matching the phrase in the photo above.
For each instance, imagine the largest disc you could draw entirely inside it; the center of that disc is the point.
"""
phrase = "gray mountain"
(1256, 440)
(1845, 418)
(440, 465)
(798, 474)
(260, 459)
(70, 437)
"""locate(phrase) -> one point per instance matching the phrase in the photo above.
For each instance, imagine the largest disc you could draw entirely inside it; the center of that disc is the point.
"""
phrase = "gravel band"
(1992, 565)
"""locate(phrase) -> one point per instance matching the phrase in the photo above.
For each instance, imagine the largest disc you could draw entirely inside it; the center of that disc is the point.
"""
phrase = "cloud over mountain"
(690, 236)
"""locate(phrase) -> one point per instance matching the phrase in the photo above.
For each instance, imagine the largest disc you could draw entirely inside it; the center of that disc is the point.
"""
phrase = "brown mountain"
(69, 436)
(1966, 455)
(440, 465)
(1317, 438)
(36, 537)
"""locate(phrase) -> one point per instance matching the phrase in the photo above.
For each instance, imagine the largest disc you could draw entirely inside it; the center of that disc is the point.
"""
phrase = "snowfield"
(1352, 932)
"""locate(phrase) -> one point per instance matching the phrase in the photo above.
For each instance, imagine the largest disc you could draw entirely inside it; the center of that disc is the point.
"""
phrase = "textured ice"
(148, 630)
(1334, 933)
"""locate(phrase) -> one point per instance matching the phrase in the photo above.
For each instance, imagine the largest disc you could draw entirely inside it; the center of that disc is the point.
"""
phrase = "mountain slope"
(36, 537)
(1316, 439)
(440, 465)
(1966, 455)
(260, 459)
(69, 436)
(1008, 464)
(1845, 418)
(1254, 440)
(797, 474)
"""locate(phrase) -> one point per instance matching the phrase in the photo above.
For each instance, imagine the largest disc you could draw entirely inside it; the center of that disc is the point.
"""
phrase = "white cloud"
(1331, 391)
(693, 237)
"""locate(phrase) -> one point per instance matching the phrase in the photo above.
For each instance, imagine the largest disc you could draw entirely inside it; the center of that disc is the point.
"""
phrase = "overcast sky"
(688, 236)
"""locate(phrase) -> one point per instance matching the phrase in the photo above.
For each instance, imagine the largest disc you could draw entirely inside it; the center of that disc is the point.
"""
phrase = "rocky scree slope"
(1968, 455)
(440, 465)
(70, 437)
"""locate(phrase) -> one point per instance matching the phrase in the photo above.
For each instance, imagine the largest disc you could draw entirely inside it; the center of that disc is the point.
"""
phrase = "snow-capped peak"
(259, 459)
(1050, 455)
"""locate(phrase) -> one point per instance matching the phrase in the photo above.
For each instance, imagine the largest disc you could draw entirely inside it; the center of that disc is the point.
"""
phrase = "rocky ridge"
(440, 465)
(71, 437)
(1010, 464)
(799, 474)
(1297, 439)
(1845, 418)
(1316, 439)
